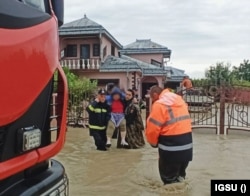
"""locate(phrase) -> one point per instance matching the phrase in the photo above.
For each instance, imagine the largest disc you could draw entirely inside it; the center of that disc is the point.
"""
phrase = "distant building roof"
(176, 74)
(125, 63)
(145, 46)
(85, 26)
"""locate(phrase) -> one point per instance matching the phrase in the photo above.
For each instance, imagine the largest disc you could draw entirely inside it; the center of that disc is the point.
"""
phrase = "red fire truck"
(33, 98)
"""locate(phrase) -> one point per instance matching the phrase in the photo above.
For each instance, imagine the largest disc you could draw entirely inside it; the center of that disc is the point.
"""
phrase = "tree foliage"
(219, 74)
(222, 73)
(243, 71)
(200, 82)
(80, 89)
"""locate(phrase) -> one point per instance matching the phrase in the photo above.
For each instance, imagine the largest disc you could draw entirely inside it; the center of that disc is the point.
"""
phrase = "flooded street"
(135, 172)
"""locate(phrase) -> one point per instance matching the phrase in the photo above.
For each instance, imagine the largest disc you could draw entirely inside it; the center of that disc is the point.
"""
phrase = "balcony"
(86, 64)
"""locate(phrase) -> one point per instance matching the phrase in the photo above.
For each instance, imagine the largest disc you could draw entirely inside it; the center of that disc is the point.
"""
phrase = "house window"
(71, 50)
(154, 62)
(96, 50)
(112, 50)
(104, 51)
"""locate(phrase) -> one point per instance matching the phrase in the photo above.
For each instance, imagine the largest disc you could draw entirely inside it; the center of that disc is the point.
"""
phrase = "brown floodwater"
(121, 172)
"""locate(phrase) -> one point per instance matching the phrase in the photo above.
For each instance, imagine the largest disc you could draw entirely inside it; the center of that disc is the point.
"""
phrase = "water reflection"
(135, 172)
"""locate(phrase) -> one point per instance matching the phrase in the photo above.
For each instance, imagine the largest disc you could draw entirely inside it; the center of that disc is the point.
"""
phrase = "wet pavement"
(121, 172)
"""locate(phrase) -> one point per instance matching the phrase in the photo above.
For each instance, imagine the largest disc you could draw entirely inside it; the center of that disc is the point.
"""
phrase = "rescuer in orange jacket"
(169, 129)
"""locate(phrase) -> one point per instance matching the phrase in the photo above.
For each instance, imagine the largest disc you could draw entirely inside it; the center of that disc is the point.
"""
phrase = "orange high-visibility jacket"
(169, 127)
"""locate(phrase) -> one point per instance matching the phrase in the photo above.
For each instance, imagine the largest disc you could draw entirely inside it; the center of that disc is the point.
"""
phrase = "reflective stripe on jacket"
(169, 125)
(97, 127)
(99, 115)
(97, 110)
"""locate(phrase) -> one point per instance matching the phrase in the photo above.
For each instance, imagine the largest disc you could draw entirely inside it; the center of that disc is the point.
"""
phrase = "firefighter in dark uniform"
(99, 115)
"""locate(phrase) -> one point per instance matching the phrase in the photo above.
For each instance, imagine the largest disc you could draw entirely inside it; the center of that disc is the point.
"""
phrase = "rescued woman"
(134, 124)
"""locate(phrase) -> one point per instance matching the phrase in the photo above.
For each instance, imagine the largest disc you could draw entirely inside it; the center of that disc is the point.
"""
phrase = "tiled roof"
(85, 26)
(116, 64)
(144, 46)
(125, 63)
(146, 68)
(83, 22)
(176, 74)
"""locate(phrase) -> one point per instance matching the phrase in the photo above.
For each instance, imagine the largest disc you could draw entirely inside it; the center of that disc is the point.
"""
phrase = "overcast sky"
(199, 32)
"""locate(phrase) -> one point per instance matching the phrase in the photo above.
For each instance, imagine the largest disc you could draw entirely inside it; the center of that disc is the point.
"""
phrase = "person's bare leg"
(123, 132)
(110, 130)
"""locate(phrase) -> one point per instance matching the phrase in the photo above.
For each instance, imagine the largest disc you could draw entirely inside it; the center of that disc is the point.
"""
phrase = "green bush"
(76, 83)
(79, 88)
(240, 83)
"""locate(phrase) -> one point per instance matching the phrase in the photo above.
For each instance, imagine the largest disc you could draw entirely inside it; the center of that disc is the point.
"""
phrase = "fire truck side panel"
(28, 61)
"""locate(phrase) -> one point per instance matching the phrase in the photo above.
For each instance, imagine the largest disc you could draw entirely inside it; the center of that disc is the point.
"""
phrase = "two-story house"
(89, 50)
(153, 53)
(84, 46)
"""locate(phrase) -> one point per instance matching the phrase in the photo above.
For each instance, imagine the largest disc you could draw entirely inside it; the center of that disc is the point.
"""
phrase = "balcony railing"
(81, 63)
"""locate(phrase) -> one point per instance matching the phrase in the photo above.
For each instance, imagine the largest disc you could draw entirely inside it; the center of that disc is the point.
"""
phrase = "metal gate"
(77, 115)
(222, 108)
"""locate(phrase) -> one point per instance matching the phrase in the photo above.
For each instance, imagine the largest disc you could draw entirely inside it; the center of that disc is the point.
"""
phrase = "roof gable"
(83, 22)
(83, 27)
(143, 46)
(143, 43)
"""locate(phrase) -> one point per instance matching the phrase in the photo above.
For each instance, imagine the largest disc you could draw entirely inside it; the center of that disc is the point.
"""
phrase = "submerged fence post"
(222, 110)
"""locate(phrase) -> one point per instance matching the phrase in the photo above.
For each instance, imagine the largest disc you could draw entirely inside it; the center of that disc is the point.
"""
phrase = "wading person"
(117, 120)
(169, 129)
(186, 85)
(134, 123)
(99, 115)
